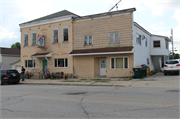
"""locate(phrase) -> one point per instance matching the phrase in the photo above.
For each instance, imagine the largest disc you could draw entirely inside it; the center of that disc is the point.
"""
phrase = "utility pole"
(172, 44)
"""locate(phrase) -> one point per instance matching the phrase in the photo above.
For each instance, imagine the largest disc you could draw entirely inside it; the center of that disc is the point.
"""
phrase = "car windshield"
(172, 62)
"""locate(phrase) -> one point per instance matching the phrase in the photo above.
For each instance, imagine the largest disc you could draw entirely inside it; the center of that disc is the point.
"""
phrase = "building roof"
(102, 51)
(105, 14)
(54, 15)
(10, 51)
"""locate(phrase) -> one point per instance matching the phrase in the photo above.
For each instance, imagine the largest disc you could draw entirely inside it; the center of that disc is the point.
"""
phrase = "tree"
(16, 45)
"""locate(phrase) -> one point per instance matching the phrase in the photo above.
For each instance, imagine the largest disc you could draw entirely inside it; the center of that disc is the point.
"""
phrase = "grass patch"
(125, 79)
(142, 77)
(83, 79)
(149, 80)
(100, 80)
(70, 81)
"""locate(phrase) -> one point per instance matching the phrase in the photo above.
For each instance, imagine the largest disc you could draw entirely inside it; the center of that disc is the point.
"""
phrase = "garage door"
(18, 68)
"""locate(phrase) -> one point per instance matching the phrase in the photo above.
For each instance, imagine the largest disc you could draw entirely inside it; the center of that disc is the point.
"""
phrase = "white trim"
(46, 21)
(102, 53)
(25, 33)
(53, 29)
(32, 38)
(65, 27)
(115, 62)
(64, 62)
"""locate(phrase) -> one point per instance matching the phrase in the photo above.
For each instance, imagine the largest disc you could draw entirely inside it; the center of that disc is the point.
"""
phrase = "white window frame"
(34, 65)
(65, 27)
(115, 62)
(32, 32)
(146, 42)
(88, 40)
(138, 41)
(53, 29)
(56, 59)
(159, 44)
(114, 40)
(25, 33)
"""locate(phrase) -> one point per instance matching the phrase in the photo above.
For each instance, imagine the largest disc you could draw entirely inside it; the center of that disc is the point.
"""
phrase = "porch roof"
(116, 50)
(49, 54)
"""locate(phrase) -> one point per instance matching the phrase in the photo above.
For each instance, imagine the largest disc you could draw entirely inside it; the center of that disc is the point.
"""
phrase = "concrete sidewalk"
(147, 82)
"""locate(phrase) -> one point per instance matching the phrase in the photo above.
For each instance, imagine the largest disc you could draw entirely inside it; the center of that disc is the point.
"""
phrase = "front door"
(102, 66)
(44, 63)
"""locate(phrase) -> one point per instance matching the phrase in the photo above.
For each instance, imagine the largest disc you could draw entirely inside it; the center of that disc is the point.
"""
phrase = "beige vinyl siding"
(100, 29)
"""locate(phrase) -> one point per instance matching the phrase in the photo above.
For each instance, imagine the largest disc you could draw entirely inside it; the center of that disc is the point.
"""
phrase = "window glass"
(112, 63)
(88, 40)
(34, 39)
(29, 63)
(65, 34)
(156, 44)
(126, 62)
(172, 62)
(61, 62)
(113, 38)
(138, 39)
(119, 62)
(25, 39)
(55, 36)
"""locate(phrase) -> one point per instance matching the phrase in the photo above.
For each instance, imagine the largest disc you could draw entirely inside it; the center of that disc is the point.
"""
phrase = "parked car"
(9, 76)
(172, 66)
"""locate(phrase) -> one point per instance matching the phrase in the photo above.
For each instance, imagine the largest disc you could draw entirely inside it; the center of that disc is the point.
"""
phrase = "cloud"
(7, 34)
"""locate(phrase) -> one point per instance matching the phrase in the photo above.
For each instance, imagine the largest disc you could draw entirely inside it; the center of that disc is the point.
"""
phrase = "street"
(58, 102)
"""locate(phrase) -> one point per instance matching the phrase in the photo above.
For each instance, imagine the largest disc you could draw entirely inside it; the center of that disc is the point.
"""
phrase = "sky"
(156, 16)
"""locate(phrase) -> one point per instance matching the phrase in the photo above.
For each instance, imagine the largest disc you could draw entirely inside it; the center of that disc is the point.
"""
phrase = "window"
(147, 61)
(30, 63)
(26, 39)
(119, 63)
(138, 39)
(60, 62)
(65, 35)
(55, 34)
(167, 45)
(146, 42)
(88, 40)
(156, 44)
(33, 38)
(113, 38)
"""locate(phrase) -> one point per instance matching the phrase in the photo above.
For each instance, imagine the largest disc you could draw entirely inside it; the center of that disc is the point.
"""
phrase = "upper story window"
(119, 63)
(33, 38)
(30, 64)
(167, 45)
(88, 40)
(61, 63)
(55, 34)
(65, 34)
(113, 38)
(26, 39)
(138, 39)
(146, 42)
(156, 44)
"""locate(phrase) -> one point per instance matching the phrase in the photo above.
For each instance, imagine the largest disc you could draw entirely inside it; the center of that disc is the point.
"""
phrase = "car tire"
(1, 83)
(165, 73)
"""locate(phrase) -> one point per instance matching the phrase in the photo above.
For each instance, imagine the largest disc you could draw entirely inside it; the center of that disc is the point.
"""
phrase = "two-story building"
(107, 44)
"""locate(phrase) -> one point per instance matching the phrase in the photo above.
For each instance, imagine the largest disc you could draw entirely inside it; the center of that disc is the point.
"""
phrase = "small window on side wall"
(55, 35)
(26, 39)
(33, 38)
(157, 44)
(65, 34)
(138, 39)
(88, 40)
(113, 38)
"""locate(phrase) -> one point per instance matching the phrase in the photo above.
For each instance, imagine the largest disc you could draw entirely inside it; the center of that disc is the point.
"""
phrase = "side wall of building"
(7, 60)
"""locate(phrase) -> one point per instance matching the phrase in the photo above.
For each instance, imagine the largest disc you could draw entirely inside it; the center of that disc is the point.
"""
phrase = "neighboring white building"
(17, 65)
(8, 56)
(149, 48)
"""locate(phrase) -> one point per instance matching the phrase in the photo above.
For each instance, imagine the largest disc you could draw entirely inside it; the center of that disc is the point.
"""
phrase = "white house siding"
(141, 52)
(7, 60)
(17, 66)
(159, 51)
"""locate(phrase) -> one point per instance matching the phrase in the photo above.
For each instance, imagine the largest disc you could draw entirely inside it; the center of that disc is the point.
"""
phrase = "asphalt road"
(87, 102)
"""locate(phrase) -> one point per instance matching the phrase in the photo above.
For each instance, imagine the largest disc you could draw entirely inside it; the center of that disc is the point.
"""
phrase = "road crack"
(83, 107)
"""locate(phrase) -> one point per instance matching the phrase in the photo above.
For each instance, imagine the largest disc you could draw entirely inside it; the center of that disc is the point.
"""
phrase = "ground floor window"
(30, 63)
(119, 63)
(61, 62)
